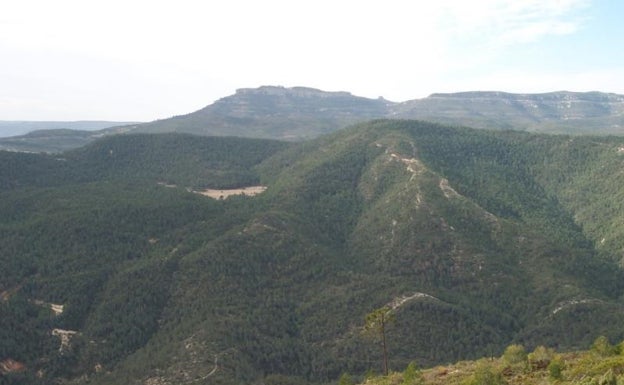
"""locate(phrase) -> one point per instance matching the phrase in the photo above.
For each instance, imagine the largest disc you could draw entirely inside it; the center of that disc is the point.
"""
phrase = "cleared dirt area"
(65, 336)
(9, 365)
(222, 194)
(56, 308)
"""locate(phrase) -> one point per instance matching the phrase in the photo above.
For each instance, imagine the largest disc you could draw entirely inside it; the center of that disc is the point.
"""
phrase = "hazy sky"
(145, 60)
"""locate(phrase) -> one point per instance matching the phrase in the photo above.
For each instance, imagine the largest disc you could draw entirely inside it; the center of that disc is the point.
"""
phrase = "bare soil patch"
(65, 336)
(9, 365)
(223, 194)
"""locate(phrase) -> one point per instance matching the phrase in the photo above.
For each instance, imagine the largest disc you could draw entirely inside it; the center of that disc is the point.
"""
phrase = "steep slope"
(302, 113)
(554, 112)
(274, 112)
(468, 235)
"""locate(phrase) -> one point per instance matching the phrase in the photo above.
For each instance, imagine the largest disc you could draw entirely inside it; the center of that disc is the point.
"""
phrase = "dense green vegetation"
(474, 240)
(184, 160)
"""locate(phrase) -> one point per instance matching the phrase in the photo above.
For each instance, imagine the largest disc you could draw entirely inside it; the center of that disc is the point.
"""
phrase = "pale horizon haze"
(137, 60)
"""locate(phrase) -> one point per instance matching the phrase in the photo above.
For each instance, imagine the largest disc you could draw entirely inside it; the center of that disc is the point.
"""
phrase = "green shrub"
(515, 354)
(345, 379)
(540, 357)
(603, 347)
(486, 375)
(412, 375)
(555, 368)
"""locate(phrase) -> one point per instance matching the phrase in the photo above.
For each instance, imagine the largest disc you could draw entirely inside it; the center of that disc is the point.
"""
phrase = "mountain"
(52, 140)
(17, 127)
(36, 136)
(274, 112)
(118, 266)
(554, 112)
(301, 113)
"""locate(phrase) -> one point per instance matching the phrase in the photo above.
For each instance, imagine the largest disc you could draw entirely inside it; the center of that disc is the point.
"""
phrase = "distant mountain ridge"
(560, 112)
(274, 112)
(41, 136)
(20, 127)
(301, 113)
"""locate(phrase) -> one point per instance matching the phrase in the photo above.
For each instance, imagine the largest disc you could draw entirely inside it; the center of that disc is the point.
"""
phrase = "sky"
(139, 60)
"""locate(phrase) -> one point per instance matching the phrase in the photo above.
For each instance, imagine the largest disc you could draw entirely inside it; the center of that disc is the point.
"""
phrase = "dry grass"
(578, 368)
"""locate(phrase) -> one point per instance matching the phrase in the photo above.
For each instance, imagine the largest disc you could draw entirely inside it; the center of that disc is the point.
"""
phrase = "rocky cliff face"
(297, 103)
(300, 113)
(275, 112)
(564, 112)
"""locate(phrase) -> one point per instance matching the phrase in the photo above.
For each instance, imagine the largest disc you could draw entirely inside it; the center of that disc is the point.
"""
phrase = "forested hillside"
(471, 239)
